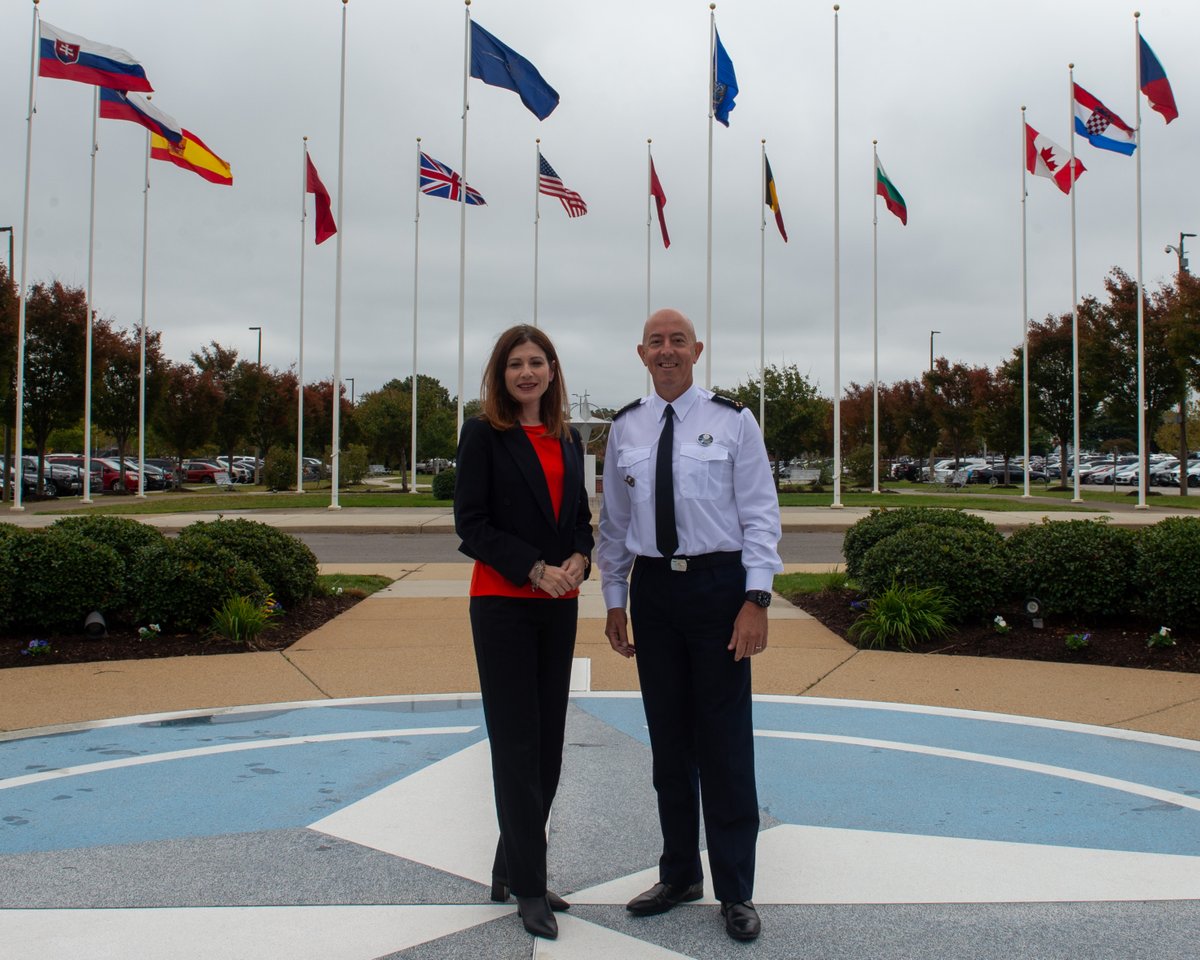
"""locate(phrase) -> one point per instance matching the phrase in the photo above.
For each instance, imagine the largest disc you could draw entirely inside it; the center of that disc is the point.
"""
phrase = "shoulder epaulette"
(627, 408)
(728, 401)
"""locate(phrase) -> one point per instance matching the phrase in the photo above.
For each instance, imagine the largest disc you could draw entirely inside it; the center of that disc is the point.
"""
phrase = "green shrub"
(284, 562)
(122, 534)
(279, 469)
(242, 619)
(9, 530)
(1074, 567)
(868, 531)
(352, 465)
(860, 467)
(968, 564)
(51, 580)
(903, 615)
(1165, 579)
(443, 484)
(178, 583)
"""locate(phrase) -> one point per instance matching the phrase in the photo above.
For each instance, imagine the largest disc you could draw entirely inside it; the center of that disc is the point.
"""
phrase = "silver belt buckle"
(679, 564)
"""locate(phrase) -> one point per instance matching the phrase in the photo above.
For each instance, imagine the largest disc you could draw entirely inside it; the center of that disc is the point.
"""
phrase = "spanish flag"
(192, 154)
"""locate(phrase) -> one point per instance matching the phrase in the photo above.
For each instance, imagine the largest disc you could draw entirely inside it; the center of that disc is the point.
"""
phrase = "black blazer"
(502, 508)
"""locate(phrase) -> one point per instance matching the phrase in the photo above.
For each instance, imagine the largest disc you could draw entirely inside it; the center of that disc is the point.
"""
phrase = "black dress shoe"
(535, 913)
(741, 920)
(500, 895)
(662, 897)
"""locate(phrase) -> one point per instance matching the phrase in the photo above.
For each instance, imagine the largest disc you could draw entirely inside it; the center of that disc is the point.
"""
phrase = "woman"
(522, 513)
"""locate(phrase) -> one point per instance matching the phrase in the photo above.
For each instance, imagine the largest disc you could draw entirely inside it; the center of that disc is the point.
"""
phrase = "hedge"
(1074, 567)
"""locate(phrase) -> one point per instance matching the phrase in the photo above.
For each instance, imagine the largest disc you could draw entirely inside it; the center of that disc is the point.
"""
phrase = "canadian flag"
(1045, 158)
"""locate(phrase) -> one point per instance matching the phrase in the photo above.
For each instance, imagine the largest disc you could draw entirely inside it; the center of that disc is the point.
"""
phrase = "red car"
(201, 471)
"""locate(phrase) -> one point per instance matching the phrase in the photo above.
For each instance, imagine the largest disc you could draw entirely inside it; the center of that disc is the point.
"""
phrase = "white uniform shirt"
(725, 496)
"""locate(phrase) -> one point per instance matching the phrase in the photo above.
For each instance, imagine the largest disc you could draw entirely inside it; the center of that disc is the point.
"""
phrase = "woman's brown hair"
(500, 409)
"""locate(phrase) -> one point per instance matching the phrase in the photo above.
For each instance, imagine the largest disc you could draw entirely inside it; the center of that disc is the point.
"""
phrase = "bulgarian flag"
(891, 196)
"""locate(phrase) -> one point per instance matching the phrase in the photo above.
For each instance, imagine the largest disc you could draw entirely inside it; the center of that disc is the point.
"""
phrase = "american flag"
(551, 185)
(438, 180)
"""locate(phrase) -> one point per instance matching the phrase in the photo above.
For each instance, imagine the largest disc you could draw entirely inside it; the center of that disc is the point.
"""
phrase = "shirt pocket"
(633, 468)
(705, 472)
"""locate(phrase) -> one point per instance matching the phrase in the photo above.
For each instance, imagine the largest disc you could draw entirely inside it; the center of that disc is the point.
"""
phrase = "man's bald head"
(669, 349)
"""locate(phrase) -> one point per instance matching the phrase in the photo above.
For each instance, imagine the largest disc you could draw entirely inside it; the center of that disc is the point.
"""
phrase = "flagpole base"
(837, 506)
(1077, 500)
(1142, 506)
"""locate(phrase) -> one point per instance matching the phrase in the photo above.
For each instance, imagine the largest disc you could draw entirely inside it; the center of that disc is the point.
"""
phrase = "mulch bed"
(125, 644)
(1114, 642)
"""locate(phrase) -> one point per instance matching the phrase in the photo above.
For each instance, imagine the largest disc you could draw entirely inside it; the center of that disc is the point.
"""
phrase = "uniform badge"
(705, 439)
(629, 480)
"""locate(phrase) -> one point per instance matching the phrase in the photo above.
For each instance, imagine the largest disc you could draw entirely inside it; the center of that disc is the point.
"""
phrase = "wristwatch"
(760, 598)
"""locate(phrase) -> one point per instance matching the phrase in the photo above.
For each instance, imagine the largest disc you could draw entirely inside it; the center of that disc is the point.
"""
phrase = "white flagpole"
(300, 361)
(462, 220)
(837, 288)
(87, 356)
(875, 316)
(1077, 498)
(762, 292)
(142, 335)
(1024, 315)
(712, 80)
(537, 218)
(649, 187)
(1143, 479)
(21, 296)
(335, 457)
(416, 261)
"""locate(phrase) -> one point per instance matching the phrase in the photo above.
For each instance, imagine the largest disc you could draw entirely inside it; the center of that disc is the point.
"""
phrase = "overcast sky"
(940, 85)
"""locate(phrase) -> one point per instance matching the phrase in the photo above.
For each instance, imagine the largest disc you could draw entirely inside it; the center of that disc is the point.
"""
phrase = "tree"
(795, 412)
(188, 409)
(240, 385)
(116, 380)
(274, 420)
(952, 390)
(385, 421)
(999, 413)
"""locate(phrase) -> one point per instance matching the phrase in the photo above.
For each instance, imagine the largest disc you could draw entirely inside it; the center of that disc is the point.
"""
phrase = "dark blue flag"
(501, 66)
(725, 86)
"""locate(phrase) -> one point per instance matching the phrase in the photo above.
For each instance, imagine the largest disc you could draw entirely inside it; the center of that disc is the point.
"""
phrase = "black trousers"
(524, 649)
(698, 710)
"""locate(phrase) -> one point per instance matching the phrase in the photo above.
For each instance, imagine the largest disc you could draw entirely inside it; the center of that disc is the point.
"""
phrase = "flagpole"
(1024, 314)
(462, 220)
(1143, 478)
(21, 297)
(537, 217)
(300, 362)
(762, 293)
(142, 336)
(712, 79)
(875, 316)
(87, 356)
(335, 457)
(837, 288)
(1077, 498)
(649, 189)
(416, 260)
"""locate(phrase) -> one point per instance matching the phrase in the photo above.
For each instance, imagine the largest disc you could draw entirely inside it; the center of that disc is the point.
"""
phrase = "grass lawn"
(366, 584)
(935, 498)
(789, 584)
(215, 500)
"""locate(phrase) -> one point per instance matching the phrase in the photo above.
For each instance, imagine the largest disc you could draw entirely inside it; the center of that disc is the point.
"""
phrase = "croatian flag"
(1045, 158)
(1153, 81)
(65, 56)
(1100, 126)
(115, 105)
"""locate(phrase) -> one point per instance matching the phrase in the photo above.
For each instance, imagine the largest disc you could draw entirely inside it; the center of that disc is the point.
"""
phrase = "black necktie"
(664, 490)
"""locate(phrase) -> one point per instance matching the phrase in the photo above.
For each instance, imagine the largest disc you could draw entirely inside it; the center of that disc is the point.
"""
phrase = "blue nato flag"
(501, 66)
(725, 86)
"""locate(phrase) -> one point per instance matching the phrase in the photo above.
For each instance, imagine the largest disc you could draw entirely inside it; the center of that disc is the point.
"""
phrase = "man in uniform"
(691, 517)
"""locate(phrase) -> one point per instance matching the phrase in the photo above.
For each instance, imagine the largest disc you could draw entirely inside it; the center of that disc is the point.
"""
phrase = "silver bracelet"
(535, 578)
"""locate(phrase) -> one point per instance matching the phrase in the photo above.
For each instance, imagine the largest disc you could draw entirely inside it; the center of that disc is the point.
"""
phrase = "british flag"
(550, 183)
(438, 180)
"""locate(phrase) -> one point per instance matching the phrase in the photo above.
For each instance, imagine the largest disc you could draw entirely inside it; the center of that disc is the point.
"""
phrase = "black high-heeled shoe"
(537, 917)
(500, 895)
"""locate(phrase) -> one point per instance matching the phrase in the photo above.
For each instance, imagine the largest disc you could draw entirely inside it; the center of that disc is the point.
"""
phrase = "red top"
(487, 581)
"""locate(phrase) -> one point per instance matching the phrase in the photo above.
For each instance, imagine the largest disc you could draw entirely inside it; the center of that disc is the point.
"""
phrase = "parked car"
(102, 476)
(58, 479)
(995, 474)
(170, 470)
(201, 471)
(239, 472)
(154, 477)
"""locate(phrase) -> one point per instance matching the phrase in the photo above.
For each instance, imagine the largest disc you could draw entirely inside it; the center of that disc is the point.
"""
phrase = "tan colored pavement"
(414, 637)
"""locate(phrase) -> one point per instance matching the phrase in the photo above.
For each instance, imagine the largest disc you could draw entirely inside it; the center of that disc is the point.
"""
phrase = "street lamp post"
(258, 330)
(931, 334)
(1170, 248)
(350, 380)
(257, 448)
(6, 493)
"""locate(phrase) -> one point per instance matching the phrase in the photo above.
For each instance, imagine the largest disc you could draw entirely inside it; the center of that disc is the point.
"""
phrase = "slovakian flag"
(326, 228)
(1100, 126)
(1045, 158)
(438, 180)
(192, 154)
(1153, 81)
(65, 56)
(115, 105)
(725, 86)
(772, 198)
(891, 196)
(660, 201)
(550, 183)
(501, 66)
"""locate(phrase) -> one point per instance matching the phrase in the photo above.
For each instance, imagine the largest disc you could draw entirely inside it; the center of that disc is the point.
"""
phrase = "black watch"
(760, 598)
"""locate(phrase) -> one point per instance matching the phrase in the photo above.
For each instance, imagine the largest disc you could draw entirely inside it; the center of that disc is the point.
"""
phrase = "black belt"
(686, 564)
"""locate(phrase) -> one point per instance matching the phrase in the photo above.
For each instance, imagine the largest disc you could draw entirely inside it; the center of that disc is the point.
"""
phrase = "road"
(443, 548)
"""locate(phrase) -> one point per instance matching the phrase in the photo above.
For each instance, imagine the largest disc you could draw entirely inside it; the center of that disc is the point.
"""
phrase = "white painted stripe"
(226, 748)
(1082, 776)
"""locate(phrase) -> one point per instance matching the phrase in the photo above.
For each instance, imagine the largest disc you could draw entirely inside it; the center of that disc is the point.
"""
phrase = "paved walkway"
(333, 801)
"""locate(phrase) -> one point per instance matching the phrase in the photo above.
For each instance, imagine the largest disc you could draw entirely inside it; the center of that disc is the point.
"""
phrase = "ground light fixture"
(1033, 607)
(94, 626)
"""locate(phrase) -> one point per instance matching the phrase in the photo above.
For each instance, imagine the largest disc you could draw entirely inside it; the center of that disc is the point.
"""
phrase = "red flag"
(660, 201)
(326, 228)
